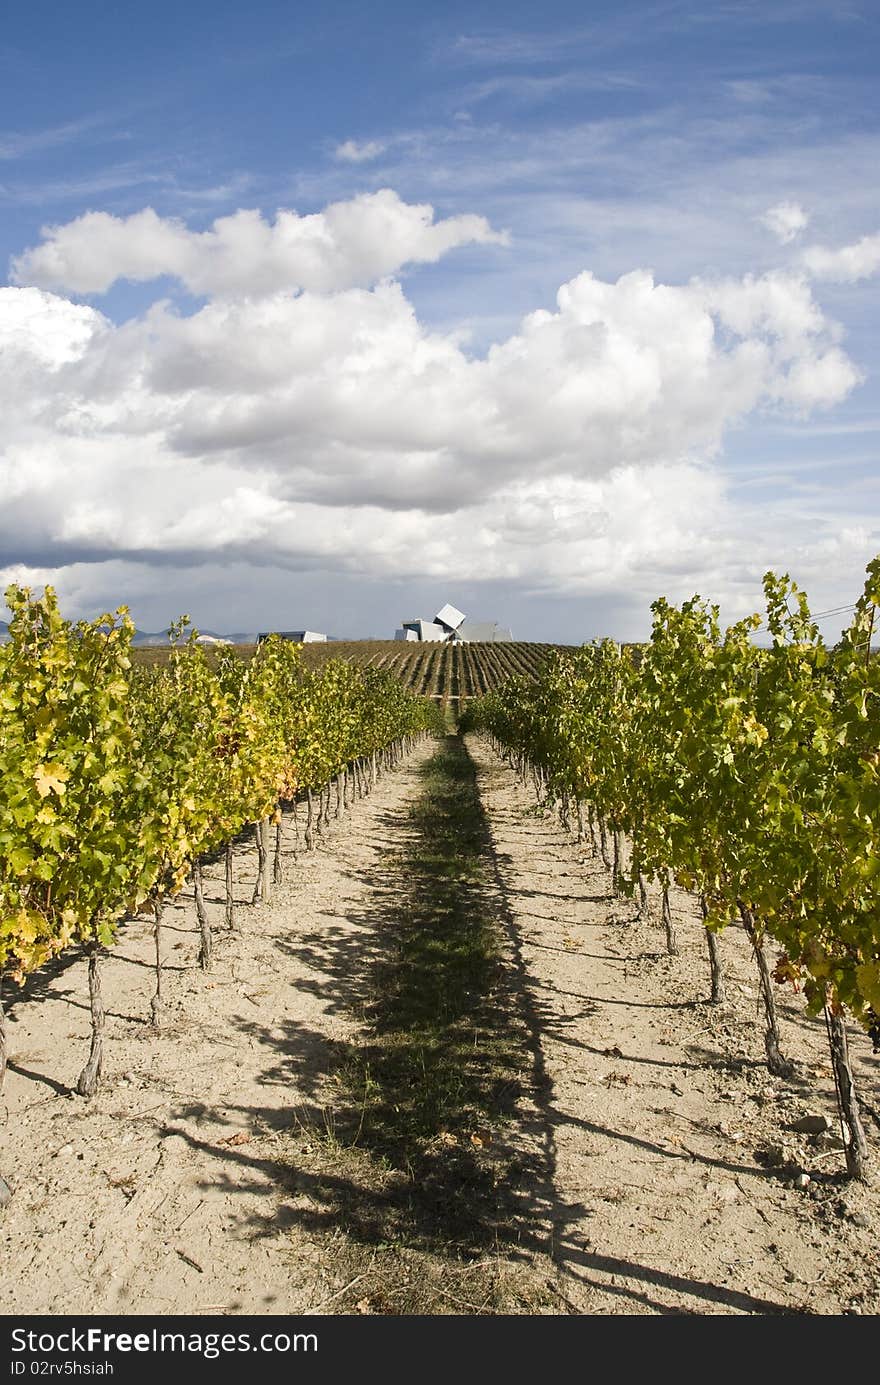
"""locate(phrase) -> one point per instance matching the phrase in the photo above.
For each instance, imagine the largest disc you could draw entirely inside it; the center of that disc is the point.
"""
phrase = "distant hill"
(143, 639)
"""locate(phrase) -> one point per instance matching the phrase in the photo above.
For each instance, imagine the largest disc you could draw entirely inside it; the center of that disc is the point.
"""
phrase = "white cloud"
(353, 242)
(354, 152)
(18, 145)
(37, 327)
(846, 265)
(526, 90)
(612, 544)
(330, 427)
(786, 220)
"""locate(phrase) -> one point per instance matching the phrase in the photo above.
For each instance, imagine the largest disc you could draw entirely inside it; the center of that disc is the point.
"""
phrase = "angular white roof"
(449, 616)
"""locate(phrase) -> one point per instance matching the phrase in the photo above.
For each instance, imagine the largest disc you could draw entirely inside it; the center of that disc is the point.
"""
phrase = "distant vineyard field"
(446, 672)
(449, 673)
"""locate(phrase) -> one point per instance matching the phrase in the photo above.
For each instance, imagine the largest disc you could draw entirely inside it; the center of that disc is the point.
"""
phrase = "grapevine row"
(748, 774)
(115, 781)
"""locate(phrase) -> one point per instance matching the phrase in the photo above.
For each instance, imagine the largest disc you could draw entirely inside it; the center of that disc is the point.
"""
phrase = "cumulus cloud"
(786, 220)
(38, 328)
(354, 152)
(327, 426)
(847, 264)
(349, 243)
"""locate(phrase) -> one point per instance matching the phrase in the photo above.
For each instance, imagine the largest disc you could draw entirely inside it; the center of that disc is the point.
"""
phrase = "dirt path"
(440, 1072)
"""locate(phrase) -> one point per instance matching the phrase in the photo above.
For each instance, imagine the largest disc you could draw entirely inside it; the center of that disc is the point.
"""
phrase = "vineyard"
(117, 782)
(746, 774)
(451, 674)
(568, 1009)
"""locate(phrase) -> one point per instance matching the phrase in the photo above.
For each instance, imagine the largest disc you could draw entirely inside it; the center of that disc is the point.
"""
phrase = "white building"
(297, 636)
(452, 625)
(449, 617)
(422, 630)
(482, 632)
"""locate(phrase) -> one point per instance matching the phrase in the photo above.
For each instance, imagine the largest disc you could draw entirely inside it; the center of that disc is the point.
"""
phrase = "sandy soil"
(666, 1169)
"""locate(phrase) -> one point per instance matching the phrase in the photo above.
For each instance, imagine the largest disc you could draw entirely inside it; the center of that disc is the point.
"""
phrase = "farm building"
(452, 625)
(297, 636)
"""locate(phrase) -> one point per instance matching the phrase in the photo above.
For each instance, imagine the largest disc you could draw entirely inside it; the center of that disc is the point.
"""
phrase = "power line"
(835, 611)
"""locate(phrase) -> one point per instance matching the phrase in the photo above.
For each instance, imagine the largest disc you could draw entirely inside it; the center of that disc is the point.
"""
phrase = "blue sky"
(357, 429)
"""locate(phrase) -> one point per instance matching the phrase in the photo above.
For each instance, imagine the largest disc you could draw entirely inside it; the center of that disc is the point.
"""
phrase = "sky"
(323, 317)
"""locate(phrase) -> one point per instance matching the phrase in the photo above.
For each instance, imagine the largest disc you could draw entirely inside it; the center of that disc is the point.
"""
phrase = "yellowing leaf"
(868, 976)
(51, 778)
